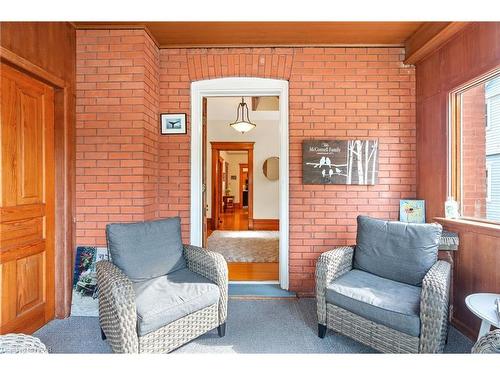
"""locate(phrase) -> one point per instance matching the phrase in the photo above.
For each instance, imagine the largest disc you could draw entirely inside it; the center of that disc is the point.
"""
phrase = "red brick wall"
(117, 137)
(334, 93)
(474, 153)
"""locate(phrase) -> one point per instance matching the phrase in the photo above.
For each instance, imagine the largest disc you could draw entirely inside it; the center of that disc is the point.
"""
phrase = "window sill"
(470, 226)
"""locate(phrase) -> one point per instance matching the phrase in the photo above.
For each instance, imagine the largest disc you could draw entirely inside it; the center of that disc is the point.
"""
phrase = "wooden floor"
(253, 271)
(237, 220)
(245, 271)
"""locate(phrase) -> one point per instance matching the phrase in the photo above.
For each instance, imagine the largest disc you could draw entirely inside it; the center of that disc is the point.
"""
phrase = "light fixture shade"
(242, 126)
(242, 123)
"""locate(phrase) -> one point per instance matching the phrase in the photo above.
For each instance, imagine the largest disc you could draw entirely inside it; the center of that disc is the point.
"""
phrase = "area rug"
(253, 326)
(245, 246)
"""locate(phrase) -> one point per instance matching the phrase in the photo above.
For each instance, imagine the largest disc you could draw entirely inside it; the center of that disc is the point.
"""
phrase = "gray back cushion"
(398, 251)
(147, 249)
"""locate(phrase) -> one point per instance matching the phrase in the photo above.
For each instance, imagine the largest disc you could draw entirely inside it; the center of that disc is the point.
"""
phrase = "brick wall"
(117, 137)
(474, 152)
(334, 93)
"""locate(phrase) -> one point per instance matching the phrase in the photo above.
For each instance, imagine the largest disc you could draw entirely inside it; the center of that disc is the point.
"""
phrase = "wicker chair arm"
(330, 265)
(213, 266)
(434, 308)
(117, 310)
(489, 343)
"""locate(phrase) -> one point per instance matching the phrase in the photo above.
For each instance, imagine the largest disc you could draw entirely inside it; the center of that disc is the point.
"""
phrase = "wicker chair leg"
(103, 335)
(222, 329)
(321, 331)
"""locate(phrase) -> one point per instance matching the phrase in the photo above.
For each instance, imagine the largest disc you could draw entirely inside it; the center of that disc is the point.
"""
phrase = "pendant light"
(242, 123)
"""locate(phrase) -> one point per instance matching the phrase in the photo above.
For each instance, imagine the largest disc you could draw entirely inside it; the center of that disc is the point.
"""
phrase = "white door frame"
(240, 86)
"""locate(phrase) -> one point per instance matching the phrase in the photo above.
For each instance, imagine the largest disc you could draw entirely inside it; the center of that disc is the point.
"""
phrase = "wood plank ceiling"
(414, 36)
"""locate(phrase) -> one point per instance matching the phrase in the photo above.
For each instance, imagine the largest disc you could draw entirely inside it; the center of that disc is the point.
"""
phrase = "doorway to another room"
(268, 218)
(231, 189)
(243, 205)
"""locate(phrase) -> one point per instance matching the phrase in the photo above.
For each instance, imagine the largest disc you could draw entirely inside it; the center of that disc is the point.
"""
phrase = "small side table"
(483, 306)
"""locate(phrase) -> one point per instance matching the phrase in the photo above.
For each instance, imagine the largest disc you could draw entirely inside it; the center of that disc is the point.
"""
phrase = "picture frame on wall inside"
(340, 162)
(173, 123)
(412, 211)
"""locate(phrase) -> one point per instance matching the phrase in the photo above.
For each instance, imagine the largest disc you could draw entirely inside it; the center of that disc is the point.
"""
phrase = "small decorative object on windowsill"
(451, 209)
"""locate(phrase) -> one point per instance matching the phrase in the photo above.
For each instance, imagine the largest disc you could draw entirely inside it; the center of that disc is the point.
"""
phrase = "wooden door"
(204, 171)
(243, 182)
(219, 192)
(26, 202)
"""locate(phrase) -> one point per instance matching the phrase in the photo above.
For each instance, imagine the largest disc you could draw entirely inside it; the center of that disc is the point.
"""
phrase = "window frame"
(488, 181)
(455, 172)
(488, 113)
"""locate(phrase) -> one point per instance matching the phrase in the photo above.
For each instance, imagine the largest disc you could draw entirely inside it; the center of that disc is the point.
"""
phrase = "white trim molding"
(240, 86)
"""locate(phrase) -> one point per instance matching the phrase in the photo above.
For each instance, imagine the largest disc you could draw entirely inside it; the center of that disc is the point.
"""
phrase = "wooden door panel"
(30, 147)
(27, 202)
(30, 282)
(20, 232)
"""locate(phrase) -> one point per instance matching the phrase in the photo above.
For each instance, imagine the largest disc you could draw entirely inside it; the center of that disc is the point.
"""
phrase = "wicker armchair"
(488, 344)
(19, 343)
(120, 315)
(377, 326)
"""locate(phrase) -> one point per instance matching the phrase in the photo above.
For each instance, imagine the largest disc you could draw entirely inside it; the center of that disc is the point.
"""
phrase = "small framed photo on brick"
(173, 123)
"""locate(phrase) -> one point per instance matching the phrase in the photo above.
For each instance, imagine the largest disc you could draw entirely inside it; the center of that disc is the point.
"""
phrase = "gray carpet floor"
(253, 326)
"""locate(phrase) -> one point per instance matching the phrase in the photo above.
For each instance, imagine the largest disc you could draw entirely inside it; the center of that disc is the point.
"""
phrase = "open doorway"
(231, 187)
(243, 205)
(249, 88)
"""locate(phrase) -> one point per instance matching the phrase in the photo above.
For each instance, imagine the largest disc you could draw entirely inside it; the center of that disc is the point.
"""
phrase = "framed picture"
(412, 211)
(173, 123)
(343, 162)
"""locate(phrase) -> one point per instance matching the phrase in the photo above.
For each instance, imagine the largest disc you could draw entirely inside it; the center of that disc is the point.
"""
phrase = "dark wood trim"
(233, 146)
(218, 191)
(64, 153)
(32, 69)
(266, 224)
(273, 34)
(428, 38)
(240, 186)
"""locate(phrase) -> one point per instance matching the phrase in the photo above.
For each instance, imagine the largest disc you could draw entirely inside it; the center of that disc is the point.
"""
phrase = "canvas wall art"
(412, 211)
(344, 162)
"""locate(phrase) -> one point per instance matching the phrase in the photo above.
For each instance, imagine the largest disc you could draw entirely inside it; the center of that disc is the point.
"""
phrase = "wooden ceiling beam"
(429, 37)
(268, 34)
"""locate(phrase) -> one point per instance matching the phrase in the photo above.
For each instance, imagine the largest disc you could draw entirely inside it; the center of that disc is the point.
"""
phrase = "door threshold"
(259, 290)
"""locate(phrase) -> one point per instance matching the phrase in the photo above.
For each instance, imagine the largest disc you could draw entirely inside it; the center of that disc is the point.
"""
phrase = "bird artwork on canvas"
(351, 162)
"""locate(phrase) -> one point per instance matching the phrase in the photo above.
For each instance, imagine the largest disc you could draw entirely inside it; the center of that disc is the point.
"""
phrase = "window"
(488, 181)
(475, 148)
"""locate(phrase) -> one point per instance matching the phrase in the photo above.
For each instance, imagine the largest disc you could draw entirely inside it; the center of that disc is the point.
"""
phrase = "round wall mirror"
(271, 168)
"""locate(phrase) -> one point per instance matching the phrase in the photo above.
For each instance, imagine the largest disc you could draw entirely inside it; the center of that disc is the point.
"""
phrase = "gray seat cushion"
(165, 299)
(383, 301)
(148, 249)
(398, 251)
